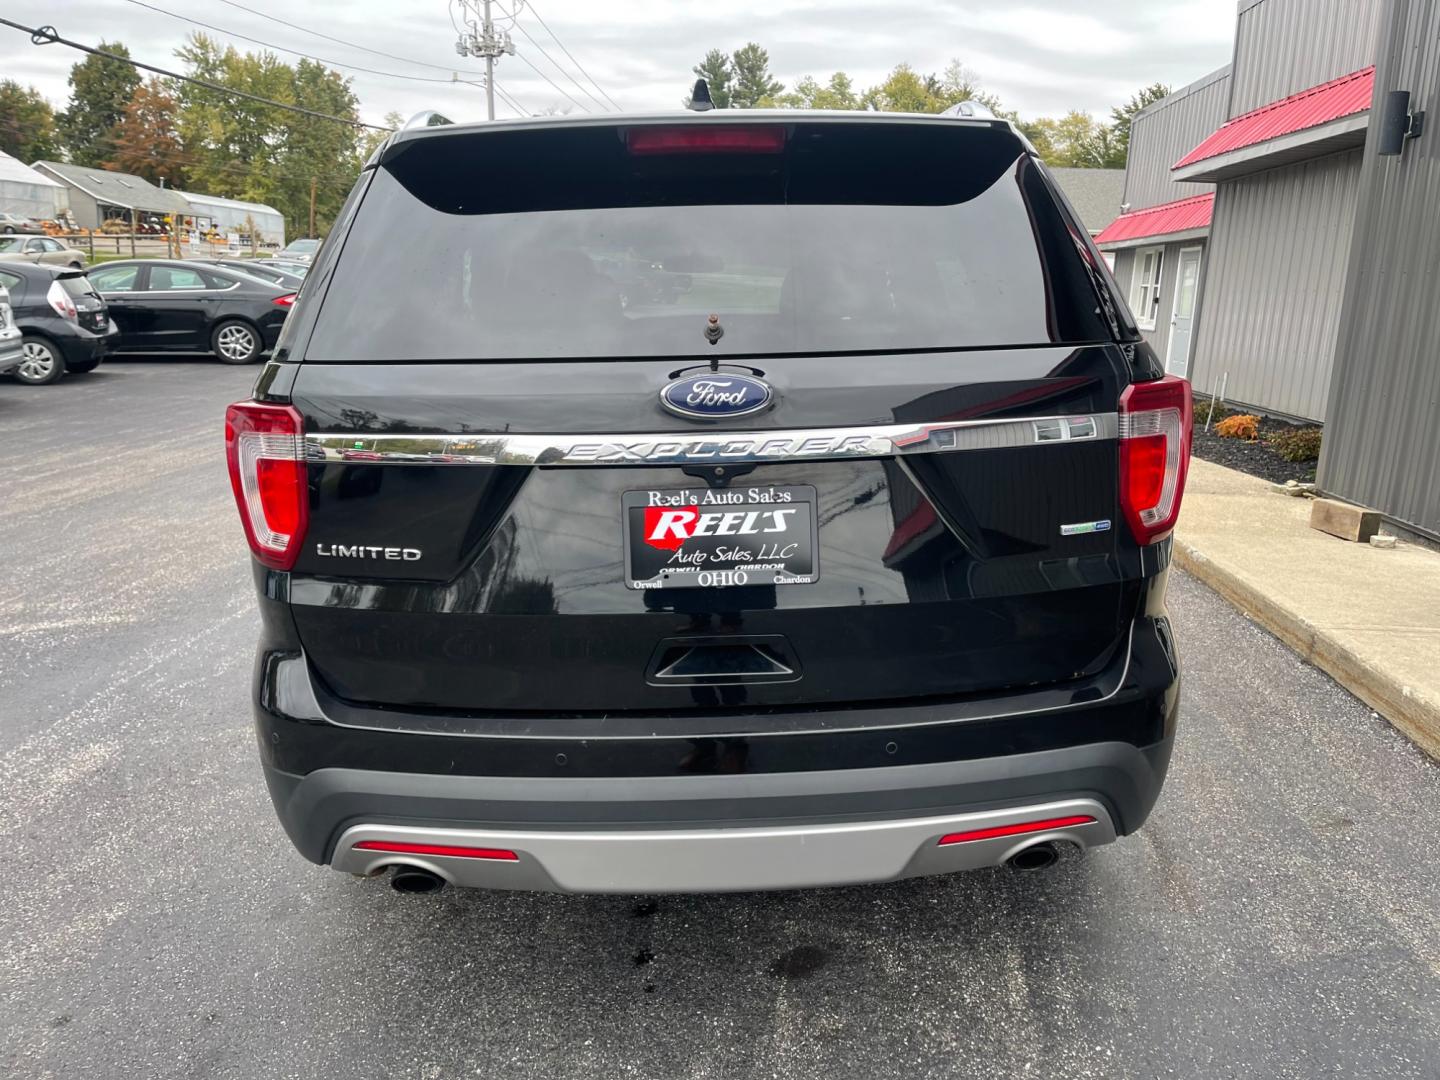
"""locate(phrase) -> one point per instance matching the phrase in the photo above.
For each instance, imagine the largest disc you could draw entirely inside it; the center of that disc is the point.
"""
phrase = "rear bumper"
(713, 801)
(725, 860)
(720, 833)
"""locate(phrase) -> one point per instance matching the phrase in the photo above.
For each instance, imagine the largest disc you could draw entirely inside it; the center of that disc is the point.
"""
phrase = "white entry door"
(1182, 312)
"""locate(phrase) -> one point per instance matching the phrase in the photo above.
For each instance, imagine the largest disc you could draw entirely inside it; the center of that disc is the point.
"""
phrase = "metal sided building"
(1273, 142)
(1382, 436)
(235, 216)
(98, 195)
(1159, 241)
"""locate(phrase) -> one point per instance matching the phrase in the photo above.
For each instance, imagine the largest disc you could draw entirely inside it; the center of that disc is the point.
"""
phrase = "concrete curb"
(1416, 717)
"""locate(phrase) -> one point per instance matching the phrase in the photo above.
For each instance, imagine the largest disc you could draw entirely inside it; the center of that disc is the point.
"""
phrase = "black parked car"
(163, 305)
(846, 563)
(65, 322)
(259, 269)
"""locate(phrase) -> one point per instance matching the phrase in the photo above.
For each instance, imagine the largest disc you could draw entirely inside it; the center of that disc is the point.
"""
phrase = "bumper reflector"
(497, 854)
(1016, 830)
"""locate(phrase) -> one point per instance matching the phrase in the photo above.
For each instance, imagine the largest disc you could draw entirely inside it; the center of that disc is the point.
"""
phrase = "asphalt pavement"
(1279, 916)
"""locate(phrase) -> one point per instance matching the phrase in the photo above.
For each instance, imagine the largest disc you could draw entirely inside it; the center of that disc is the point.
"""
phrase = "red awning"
(1345, 96)
(1183, 215)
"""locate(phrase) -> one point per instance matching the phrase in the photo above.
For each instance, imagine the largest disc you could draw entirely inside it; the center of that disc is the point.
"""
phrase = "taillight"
(265, 450)
(1155, 421)
(285, 301)
(707, 139)
(62, 303)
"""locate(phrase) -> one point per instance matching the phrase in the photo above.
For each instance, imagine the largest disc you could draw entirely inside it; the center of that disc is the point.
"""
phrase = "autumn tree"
(147, 140)
(100, 89)
(27, 123)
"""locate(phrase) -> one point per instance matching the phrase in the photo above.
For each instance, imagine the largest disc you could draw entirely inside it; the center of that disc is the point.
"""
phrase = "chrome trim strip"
(684, 448)
(740, 859)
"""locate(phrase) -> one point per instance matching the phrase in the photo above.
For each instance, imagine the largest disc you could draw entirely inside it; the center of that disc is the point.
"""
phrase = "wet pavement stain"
(800, 962)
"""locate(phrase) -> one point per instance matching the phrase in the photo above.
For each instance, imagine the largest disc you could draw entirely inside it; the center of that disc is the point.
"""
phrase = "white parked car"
(12, 349)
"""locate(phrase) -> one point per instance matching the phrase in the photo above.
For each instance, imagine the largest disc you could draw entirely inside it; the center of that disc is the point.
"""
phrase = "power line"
(526, 60)
(46, 35)
(560, 69)
(336, 40)
(282, 48)
(568, 53)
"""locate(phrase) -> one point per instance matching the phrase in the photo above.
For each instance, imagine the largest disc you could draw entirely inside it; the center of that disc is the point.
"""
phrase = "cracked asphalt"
(1279, 916)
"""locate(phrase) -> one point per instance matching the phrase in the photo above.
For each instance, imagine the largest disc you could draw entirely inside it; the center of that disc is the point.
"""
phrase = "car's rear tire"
(9, 230)
(43, 363)
(235, 342)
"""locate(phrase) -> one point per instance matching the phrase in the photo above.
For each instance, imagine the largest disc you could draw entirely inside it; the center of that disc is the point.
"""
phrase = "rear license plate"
(708, 538)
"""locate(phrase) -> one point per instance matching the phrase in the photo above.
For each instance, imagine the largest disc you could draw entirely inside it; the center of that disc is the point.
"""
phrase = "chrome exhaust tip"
(415, 879)
(1035, 857)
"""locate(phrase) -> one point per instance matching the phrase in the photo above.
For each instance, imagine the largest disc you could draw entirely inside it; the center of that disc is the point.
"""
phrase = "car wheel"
(9, 230)
(235, 343)
(42, 363)
(77, 266)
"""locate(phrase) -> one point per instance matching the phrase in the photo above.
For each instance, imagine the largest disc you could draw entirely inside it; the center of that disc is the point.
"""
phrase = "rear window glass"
(77, 285)
(564, 243)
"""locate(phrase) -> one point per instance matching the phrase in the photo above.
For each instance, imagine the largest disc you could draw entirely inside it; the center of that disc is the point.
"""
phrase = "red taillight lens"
(285, 301)
(719, 139)
(499, 854)
(265, 450)
(61, 301)
(1155, 423)
(1016, 830)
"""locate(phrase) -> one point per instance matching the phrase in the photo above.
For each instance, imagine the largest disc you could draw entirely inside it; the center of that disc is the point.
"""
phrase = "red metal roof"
(1173, 217)
(1345, 96)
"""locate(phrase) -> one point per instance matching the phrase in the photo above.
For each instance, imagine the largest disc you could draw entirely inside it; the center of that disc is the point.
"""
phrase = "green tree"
(902, 91)
(27, 123)
(250, 150)
(100, 88)
(716, 71)
(838, 93)
(958, 84)
(1123, 115)
(371, 140)
(752, 80)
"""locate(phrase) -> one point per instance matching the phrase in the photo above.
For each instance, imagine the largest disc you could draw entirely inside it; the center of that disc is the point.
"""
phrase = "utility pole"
(311, 233)
(483, 42)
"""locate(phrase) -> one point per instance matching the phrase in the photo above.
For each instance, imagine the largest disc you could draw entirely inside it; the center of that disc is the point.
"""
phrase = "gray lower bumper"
(724, 860)
(657, 813)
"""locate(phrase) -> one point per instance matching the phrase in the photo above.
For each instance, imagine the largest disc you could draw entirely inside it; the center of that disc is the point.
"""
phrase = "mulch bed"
(1256, 458)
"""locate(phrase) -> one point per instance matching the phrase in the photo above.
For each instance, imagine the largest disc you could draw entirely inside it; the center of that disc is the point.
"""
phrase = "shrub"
(1300, 444)
(1240, 426)
(1202, 412)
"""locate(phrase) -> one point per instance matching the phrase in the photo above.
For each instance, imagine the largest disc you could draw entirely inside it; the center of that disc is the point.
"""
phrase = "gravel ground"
(1279, 916)
(1256, 458)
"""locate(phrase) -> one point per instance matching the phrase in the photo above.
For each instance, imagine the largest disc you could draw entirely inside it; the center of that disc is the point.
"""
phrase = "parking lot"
(1279, 916)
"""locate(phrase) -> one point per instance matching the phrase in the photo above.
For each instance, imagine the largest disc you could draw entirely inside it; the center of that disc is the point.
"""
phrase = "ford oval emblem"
(716, 395)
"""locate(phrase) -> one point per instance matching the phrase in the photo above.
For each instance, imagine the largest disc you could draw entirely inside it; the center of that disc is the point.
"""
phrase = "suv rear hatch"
(490, 460)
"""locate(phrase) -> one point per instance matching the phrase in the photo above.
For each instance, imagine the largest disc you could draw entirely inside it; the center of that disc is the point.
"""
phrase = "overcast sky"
(1042, 57)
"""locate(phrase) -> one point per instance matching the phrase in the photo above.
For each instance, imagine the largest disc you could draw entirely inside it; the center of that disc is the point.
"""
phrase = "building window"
(1145, 286)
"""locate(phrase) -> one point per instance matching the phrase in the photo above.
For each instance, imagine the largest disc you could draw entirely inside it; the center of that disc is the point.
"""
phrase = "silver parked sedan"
(41, 249)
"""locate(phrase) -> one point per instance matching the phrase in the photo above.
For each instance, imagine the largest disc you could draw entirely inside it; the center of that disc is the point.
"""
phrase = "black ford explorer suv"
(710, 502)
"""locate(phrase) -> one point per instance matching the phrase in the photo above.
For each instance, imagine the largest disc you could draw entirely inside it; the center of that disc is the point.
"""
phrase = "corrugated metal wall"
(1168, 130)
(1285, 46)
(1277, 265)
(1382, 445)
